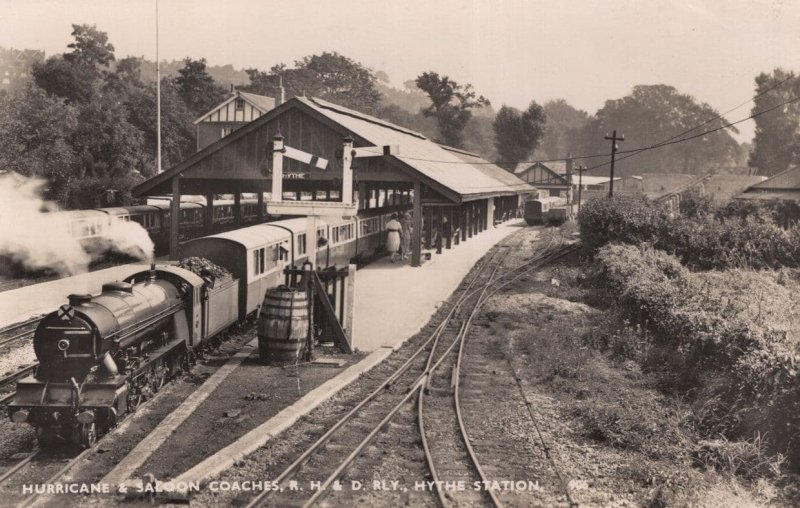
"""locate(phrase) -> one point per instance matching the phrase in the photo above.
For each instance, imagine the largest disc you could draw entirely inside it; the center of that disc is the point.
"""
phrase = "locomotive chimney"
(152, 271)
(76, 300)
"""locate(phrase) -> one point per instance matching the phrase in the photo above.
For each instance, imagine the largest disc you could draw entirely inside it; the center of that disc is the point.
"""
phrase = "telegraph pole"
(580, 169)
(613, 138)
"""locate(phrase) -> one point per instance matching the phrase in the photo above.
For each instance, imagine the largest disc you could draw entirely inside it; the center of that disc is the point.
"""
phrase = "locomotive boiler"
(100, 357)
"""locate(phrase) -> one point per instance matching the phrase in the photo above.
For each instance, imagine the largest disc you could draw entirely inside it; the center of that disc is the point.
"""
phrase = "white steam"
(35, 237)
(128, 238)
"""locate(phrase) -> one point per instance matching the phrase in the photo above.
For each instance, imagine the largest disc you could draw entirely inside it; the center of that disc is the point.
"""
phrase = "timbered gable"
(539, 175)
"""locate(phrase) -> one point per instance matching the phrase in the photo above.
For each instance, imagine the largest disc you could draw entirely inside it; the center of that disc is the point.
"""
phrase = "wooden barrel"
(283, 326)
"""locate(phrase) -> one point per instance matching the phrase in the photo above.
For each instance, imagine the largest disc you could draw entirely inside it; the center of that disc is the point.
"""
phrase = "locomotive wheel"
(87, 435)
(159, 379)
(134, 400)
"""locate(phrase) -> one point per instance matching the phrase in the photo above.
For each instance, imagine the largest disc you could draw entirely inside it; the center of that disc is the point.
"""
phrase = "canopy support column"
(174, 218)
(237, 209)
(416, 236)
(209, 217)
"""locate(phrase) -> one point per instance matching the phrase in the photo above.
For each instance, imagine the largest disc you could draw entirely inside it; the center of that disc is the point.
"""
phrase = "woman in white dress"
(393, 238)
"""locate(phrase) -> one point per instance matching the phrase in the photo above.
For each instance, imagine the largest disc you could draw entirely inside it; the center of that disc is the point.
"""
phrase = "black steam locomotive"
(100, 357)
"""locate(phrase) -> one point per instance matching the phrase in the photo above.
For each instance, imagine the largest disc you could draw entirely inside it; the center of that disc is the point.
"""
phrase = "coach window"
(301, 244)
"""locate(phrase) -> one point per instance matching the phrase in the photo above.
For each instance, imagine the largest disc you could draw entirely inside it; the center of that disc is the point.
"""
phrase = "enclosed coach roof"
(459, 176)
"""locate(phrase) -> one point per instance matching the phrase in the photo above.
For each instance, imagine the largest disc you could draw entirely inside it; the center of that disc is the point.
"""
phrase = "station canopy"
(240, 162)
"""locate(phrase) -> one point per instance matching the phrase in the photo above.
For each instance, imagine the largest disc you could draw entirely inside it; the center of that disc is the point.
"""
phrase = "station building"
(451, 190)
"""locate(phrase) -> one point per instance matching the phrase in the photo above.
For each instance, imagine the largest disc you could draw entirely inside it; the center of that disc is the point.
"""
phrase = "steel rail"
(19, 465)
(7, 380)
(421, 398)
(541, 259)
(433, 337)
(418, 385)
(61, 472)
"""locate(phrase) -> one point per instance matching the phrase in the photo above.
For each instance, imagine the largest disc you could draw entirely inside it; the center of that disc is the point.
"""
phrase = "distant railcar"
(547, 210)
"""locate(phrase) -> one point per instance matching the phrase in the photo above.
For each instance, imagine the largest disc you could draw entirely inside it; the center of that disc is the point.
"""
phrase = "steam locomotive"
(101, 356)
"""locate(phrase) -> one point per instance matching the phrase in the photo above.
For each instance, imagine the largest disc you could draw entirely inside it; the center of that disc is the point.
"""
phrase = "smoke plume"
(36, 237)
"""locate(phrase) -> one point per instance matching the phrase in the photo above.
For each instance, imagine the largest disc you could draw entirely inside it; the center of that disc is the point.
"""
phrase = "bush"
(733, 334)
(700, 240)
(622, 218)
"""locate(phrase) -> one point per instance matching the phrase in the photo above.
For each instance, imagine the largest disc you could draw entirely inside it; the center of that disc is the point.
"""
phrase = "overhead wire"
(721, 115)
(633, 151)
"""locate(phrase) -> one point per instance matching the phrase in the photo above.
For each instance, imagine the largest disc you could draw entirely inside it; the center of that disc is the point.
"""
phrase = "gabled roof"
(492, 170)
(557, 167)
(459, 175)
(558, 177)
(785, 180)
(443, 164)
(260, 102)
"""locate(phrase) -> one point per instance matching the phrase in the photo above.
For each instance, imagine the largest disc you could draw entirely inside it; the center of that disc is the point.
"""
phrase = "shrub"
(700, 240)
(734, 334)
(622, 218)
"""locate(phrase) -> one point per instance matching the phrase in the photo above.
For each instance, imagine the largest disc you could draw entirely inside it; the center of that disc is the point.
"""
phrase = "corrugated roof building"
(447, 183)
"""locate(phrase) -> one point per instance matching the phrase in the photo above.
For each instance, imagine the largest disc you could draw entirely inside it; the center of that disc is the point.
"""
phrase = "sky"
(512, 51)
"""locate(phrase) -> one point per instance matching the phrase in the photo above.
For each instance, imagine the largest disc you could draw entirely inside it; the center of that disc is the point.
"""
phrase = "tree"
(329, 76)
(91, 47)
(450, 105)
(518, 133)
(35, 138)
(650, 115)
(564, 124)
(197, 87)
(126, 77)
(59, 78)
(777, 137)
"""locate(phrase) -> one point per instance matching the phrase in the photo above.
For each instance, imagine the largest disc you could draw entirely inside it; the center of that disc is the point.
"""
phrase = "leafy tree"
(91, 47)
(106, 143)
(35, 138)
(450, 104)
(777, 138)
(59, 78)
(518, 133)
(329, 76)
(652, 114)
(561, 135)
(126, 77)
(197, 87)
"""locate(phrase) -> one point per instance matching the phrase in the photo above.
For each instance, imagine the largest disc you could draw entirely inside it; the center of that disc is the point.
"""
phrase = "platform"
(25, 302)
(394, 300)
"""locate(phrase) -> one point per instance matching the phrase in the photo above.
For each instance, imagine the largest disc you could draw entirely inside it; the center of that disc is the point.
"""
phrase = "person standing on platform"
(393, 238)
(405, 235)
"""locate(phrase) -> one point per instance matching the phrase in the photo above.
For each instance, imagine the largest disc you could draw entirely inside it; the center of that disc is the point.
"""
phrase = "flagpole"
(158, 100)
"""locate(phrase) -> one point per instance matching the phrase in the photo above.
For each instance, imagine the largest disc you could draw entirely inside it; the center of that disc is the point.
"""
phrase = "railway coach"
(257, 255)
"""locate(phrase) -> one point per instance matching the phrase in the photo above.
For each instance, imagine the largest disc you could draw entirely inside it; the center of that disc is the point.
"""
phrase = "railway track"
(349, 436)
(19, 331)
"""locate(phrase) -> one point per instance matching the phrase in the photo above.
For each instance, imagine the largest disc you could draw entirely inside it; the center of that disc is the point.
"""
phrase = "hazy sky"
(512, 51)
